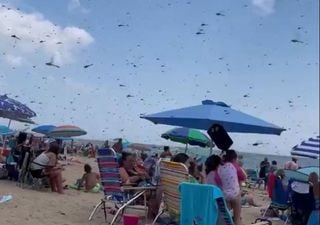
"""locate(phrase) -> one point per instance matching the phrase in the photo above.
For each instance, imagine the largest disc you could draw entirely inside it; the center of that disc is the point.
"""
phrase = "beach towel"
(201, 205)
(95, 189)
(5, 198)
(314, 218)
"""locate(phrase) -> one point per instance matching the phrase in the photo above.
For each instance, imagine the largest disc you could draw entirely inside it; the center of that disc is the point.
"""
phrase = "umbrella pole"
(186, 149)
(9, 123)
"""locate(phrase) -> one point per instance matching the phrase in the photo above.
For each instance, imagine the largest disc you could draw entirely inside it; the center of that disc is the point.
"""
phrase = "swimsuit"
(229, 181)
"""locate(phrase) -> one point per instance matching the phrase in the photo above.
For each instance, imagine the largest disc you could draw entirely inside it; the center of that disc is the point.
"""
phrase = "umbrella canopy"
(296, 175)
(209, 113)
(14, 110)
(66, 131)
(309, 169)
(4, 130)
(44, 129)
(187, 136)
(308, 148)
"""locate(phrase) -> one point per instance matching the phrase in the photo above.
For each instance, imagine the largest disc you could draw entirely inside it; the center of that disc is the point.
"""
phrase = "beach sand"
(31, 207)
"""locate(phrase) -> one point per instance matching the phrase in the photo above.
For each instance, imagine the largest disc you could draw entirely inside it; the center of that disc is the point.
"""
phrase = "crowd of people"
(224, 171)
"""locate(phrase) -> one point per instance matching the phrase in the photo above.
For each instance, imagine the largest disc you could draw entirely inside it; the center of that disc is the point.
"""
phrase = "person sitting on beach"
(314, 217)
(127, 170)
(230, 184)
(90, 180)
(315, 184)
(166, 152)
(185, 159)
(118, 146)
(247, 198)
(195, 171)
(291, 164)
(212, 163)
(46, 164)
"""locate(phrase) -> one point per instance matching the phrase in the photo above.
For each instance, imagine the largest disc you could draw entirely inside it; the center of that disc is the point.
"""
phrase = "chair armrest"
(130, 188)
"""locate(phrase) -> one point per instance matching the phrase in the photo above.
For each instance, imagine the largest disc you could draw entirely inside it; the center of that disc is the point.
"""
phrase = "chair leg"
(102, 202)
(157, 216)
(125, 205)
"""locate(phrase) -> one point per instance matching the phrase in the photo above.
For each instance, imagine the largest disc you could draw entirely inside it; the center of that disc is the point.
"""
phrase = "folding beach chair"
(25, 177)
(252, 178)
(172, 174)
(122, 197)
(279, 200)
(302, 202)
(203, 204)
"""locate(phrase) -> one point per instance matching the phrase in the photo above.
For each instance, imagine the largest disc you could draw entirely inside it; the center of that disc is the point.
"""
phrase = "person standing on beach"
(230, 184)
(291, 164)
(264, 170)
(118, 147)
(166, 152)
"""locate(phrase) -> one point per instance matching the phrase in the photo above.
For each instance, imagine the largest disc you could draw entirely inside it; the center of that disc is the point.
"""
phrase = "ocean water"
(250, 160)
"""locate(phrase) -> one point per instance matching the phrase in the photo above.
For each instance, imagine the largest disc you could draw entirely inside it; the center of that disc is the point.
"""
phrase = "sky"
(112, 60)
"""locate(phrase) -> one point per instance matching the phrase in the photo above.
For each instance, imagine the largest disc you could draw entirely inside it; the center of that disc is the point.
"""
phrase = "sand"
(31, 207)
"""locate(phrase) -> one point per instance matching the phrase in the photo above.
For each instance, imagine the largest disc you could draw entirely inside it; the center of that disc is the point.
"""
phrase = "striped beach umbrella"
(66, 131)
(308, 148)
(187, 136)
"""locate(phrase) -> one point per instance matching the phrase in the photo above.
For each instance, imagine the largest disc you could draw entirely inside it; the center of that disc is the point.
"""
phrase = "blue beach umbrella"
(308, 148)
(44, 129)
(14, 110)
(210, 113)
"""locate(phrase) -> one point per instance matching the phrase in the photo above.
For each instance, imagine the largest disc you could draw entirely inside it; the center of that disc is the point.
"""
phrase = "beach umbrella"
(209, 113)
(66, 131)
(309, 169)
(14, 110)
(296, 175)
(187, 136)
(4, 130)
(308, 148)
(44, 129)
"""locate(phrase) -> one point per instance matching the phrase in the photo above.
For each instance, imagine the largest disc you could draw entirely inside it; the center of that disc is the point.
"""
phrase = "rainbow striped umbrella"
(67, 131)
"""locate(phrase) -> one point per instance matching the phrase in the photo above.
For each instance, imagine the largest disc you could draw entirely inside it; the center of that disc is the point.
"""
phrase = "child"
(90, 180)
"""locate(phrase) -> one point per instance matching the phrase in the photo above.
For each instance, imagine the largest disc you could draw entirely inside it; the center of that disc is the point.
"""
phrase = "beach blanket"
(95, 189)
(5, 198)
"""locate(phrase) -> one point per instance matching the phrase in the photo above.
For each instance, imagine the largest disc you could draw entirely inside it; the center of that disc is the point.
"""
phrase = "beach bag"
(220, 137)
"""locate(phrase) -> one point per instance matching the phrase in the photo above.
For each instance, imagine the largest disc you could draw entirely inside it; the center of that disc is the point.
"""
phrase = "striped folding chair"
(121, 196)
(172, 174)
